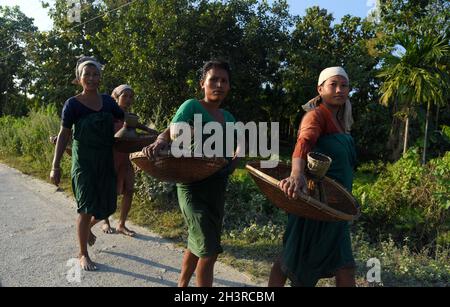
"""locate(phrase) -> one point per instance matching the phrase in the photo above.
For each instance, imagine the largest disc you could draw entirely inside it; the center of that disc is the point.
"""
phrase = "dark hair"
(216, 64)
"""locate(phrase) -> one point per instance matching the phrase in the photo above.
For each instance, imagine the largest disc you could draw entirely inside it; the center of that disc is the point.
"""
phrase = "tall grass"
(28, 138)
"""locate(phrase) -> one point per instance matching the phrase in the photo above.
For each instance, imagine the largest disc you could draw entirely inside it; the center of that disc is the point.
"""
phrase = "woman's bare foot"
(125, 231)
(86, 263)
(92, 239)
(108, 229)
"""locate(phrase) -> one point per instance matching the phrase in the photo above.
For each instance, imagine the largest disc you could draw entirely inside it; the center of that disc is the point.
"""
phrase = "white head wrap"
(326, 74)
(329, 72)
(119, 90)
(82, 62)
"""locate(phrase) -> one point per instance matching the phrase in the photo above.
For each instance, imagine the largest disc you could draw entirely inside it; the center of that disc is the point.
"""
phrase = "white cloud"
(33, 9)
(372, 6)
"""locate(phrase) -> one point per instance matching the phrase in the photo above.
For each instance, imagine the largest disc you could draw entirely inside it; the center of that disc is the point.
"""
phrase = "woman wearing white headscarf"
(314, 249)
(89, 117)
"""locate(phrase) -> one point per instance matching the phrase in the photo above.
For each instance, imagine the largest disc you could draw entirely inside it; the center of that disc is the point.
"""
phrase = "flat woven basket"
(340, 206)
(179, 170)
(129, 145)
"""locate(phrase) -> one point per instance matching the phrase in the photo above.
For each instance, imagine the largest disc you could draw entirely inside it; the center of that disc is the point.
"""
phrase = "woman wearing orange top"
(314, 249)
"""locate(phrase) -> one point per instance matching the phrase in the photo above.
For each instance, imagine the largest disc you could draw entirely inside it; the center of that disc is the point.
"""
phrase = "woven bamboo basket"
(180, 170)
(318, 164)
(135, 144)
(340, 206)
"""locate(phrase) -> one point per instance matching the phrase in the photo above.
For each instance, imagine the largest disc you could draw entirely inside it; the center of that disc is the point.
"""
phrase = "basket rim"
(319, 205)
(166, 167)
(328, 159)
(165, 155)
(141, 136)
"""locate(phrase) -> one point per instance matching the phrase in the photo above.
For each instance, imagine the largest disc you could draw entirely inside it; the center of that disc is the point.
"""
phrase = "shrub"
(399, 265)
(246, 205)
(408, 200)
(29, 137)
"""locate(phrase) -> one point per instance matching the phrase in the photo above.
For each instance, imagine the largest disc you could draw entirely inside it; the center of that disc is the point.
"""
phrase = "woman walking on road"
(91, 117)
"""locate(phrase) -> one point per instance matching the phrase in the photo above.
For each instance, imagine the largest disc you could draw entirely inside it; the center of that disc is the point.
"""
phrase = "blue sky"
(339, 8)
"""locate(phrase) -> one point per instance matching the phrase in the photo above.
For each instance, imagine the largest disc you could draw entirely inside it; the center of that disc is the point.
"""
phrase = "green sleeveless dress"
(93, 175)
(313, 249)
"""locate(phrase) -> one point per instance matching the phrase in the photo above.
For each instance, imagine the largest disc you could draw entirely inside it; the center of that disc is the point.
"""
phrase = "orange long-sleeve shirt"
(314, 124)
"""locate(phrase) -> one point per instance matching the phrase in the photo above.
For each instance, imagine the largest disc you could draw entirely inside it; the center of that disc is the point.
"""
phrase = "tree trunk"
(405, 137)
(5, 105)
(395, 140)
(437, 117)
(424, 157)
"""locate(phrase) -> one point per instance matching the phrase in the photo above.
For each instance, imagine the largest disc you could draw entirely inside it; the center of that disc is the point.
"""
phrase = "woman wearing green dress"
(315, 249)
(89, 118)
(202, 203)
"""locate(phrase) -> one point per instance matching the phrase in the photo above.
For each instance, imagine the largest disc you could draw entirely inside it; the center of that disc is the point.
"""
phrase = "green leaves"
(15, 30)
(417, 75)
(167, 42)
(407, 200)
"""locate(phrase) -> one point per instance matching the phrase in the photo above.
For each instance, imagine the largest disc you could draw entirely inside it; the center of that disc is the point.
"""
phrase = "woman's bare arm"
(61, 144)
(296, 182)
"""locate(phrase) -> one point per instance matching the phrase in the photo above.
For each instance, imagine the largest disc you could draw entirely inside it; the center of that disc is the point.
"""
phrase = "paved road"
(38, 240)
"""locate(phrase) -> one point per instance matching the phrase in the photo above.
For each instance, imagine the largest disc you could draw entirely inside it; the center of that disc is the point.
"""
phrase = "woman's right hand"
(152, 150)
(55, 176)
(293, 186)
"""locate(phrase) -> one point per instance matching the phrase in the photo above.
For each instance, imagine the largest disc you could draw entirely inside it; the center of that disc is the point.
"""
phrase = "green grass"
(255, 258)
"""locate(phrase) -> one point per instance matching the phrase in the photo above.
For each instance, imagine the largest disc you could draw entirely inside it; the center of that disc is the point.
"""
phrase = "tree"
(54, 54)
(15, 29)
(414, 19)
(417, 76)
(161, 60)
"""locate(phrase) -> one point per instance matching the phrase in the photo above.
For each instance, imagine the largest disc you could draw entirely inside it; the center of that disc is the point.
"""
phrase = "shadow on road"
(109, 269)
(219, 281)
